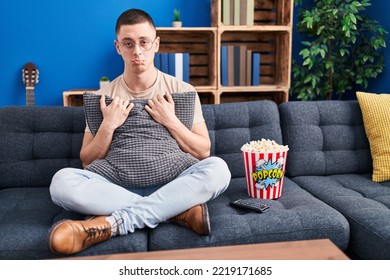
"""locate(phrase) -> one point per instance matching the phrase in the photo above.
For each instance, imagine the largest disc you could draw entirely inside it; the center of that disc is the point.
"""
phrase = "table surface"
(321, 249)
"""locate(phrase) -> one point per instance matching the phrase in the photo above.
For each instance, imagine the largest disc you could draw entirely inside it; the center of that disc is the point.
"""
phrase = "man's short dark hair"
(133, 16)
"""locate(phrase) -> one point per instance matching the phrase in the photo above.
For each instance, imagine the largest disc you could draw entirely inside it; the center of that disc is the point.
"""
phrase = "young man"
(119, 210)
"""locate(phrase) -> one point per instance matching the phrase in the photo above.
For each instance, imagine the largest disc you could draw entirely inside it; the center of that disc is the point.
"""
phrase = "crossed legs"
(181, 201)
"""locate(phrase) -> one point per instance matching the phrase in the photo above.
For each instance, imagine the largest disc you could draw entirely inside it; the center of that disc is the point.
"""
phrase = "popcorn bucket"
(264, 173)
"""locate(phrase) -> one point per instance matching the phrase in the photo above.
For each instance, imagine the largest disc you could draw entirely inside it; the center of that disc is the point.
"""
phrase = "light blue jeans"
(91, 194)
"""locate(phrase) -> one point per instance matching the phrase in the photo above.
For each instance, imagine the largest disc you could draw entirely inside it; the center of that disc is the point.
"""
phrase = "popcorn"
(264, 146)
(265, 165)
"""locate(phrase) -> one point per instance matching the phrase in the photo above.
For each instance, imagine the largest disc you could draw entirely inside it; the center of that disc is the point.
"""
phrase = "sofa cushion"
(324, 137)
(27, 214)
(143, 153)
(365, 204)
(35, 142)
(296, 215)
(231, 125)
(376, 117)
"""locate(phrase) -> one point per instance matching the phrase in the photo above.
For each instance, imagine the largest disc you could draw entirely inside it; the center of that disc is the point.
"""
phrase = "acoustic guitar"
(30, 75)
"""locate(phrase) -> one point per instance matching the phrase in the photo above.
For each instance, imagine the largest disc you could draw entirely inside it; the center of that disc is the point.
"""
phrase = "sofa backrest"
(325, 138)
(35, 142)
(231, 125)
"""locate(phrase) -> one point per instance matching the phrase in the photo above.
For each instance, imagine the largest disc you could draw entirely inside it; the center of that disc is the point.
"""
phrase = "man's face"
(137, 45)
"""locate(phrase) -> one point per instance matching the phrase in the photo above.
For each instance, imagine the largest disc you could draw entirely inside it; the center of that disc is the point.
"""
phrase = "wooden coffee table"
(322, 249)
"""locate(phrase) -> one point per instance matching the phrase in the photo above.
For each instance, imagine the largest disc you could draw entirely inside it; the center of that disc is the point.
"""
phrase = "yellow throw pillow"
(376, 118)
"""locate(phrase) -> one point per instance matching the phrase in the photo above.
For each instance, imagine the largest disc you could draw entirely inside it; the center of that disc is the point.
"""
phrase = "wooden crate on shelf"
(266, 12)
(207, 97)
(274, 12)
(200, 44)
(270, 35)
(74, 97)
(240, 95)
(272, 46)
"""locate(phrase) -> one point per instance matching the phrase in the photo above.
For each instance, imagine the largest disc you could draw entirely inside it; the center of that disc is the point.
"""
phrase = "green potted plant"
(176, 18)
(342, 50)
(104, 81)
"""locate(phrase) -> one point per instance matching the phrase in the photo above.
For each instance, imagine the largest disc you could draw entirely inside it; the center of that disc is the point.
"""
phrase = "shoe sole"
(206, 218)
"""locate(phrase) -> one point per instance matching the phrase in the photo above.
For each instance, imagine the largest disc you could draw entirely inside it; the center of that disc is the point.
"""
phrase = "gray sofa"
(330, 158)
(327, 191)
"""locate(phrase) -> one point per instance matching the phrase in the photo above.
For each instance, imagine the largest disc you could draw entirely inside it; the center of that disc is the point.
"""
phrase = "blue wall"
(380, 11)
(71, 42)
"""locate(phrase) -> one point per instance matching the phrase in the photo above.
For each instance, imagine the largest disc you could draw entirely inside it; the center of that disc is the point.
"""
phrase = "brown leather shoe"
(70, 237)
(195, 218)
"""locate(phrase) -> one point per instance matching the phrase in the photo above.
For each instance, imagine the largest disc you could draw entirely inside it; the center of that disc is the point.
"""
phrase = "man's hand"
(115, 114)
(161, 110)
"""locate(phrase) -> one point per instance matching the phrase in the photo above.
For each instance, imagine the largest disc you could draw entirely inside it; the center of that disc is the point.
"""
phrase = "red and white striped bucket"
(265, 173)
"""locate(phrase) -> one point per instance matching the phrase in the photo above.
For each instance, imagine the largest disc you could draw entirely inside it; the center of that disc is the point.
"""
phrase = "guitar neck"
(30, 75)
(30, 96)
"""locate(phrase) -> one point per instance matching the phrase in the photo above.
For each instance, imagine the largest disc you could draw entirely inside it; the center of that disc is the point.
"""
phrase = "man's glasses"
(144, 44)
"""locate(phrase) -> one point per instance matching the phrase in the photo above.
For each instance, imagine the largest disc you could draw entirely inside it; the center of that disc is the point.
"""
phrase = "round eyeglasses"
(144, 44)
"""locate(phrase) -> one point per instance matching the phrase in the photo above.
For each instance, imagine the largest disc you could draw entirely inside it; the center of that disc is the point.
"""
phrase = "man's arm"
(95, 147)
(195, 141)
(114, 115)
